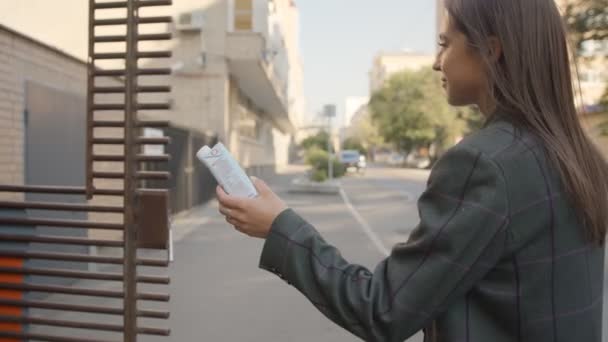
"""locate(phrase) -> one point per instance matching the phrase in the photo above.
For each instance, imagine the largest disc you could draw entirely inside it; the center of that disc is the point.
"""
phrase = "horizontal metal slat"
(110, 22)
(60, 323)
(109, 90)
(153, 280)
(80, 325)
(61, 207)
(141, 37)
(160, 280)
(104, 73)
(108, 141)
(153, 314)
(154, 36)
(154, 20)
(153, 175)
(157, 297)
(122, 72)
(59, 190)
(61, 289)
(121, 106)
(107, 123)
(150, 3)
(110, 55)
(152, 262)
(108, 5)
(109, 106)
(123, 4)
(108, 158)
(139, 175)
(154, 71)
(60, 240)
(60, 306)
(153, 331)
(66, 274)
(150, 123)
(154, 54)
(63, 190)
(108, 175)
(59, 223)
(109, 192)
(153, 106)
(139, 158)
(45, 338)
(153, 89)
(141, 20)
(62, 257)
(110, 39)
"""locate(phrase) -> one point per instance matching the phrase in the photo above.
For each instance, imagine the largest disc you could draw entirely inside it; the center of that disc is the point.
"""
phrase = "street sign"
(329, 111)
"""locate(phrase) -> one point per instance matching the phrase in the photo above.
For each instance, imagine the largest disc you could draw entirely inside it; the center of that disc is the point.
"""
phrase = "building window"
(250, 125)
(243, 15)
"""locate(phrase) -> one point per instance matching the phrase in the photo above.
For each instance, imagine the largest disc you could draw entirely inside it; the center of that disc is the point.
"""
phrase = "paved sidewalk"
(219, 294)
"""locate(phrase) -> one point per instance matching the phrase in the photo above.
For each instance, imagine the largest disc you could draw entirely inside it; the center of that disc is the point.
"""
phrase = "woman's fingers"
(234, 222)
(233, 213)
(227, 200)
(225, 210)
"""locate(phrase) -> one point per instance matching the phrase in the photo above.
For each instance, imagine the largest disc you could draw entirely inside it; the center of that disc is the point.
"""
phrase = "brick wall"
(21, 60)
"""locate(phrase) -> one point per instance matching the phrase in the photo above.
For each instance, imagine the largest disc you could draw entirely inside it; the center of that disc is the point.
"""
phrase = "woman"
(510, 244)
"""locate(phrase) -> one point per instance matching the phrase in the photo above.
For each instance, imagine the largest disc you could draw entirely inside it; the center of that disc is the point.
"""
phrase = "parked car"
(396, 159)
(352, 159)
(417, 161)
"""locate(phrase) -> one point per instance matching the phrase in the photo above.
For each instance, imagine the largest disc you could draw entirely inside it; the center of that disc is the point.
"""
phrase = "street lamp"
(329, 111)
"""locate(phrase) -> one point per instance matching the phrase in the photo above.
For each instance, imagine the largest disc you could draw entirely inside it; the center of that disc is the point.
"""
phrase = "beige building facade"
(25, 60)
(38, 85)
(231, 77)
(237, 68)
(386, 64)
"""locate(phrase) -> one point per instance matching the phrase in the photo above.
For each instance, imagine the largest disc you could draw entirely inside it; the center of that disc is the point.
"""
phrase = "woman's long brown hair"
(533, 80)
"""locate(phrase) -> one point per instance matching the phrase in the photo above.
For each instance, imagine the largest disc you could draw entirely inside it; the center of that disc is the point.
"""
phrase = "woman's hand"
(255, 216)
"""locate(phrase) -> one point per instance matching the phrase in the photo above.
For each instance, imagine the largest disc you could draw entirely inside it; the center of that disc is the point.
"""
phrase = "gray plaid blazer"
(499, 255)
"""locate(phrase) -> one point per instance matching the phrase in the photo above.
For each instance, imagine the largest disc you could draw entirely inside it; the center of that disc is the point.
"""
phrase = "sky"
(339, 38)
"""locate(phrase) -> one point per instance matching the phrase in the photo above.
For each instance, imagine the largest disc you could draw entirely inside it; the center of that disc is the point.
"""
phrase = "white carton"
(227, 171)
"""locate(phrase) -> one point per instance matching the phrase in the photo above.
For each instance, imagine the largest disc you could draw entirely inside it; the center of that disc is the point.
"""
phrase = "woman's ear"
(494, 49)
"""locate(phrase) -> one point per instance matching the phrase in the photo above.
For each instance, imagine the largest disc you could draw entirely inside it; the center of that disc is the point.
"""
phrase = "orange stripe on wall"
(5, 294)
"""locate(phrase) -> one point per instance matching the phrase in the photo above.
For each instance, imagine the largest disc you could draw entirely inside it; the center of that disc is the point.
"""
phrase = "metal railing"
(143, 212)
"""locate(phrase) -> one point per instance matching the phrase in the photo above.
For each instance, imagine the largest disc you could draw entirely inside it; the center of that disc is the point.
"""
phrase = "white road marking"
(367, 229)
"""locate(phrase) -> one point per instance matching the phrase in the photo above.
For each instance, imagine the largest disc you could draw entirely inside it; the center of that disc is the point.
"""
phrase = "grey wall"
(55, 137)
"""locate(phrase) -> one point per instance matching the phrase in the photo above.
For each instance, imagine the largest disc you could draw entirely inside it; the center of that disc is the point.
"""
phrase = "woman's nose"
(437, 64)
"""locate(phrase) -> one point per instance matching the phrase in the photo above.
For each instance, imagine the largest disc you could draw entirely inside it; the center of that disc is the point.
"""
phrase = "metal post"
(90, 100)
(330, 164)
(329, 111)
(130, 183)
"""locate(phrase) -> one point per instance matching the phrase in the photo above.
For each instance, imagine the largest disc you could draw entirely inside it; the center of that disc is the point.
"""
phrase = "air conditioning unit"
(191, 21)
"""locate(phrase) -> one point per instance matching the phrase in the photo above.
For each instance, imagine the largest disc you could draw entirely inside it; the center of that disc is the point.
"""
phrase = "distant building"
(387, 64)
(352, 105)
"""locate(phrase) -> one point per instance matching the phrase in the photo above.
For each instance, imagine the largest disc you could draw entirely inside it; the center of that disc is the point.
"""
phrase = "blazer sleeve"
(460, 237)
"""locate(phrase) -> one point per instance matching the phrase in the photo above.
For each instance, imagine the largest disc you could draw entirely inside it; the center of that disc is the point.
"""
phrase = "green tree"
(604, 100)
(354, 143)
(318, 140)
(318, 159)
(604, 129)
(411, 112)
(587, 20)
